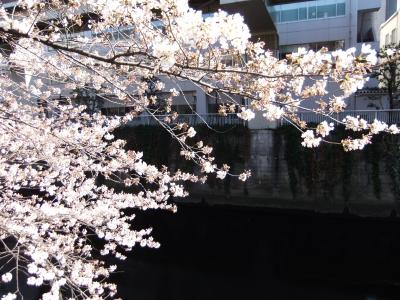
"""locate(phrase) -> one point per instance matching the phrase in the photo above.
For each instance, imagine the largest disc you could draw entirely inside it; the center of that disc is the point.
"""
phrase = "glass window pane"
(331, 45)
(325, 11)
(293, 48)
(308, 10)
(184, 109)
(319, 45)
(341, 9)
(339, 45)
(303, 13)
(289, 15)
(312, 12)
(390, 7)
(275, 16)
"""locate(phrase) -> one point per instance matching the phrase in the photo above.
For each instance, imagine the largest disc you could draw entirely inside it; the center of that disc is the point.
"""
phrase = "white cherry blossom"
(7, 277)
(309, 140)
(246, 114)
(324, 128)
(60, 156)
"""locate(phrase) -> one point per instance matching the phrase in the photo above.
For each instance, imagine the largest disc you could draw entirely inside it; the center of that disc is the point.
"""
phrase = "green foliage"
(374, 155)
(321, 170)
(392, 158)
(388, 72)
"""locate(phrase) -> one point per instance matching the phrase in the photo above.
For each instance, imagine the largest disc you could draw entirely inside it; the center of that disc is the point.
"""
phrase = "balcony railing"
(191, 119)
(389, 116)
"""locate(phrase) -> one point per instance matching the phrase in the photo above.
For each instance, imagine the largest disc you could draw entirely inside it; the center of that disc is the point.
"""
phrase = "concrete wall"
(315, 31)
(286, 175)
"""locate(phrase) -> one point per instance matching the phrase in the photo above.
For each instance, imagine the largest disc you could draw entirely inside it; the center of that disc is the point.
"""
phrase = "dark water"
(243, 253)
(222, 252)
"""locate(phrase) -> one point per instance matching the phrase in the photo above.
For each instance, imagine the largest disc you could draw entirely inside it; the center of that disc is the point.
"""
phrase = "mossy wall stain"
(284, 172)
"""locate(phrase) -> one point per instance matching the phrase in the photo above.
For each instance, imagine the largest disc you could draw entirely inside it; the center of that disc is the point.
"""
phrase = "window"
(331, 45)
(312, 12)
(185, 103)
(215, 100)
(341, 9)
(366, 31)
(393, 36)
(275, 15)
(391, 6)
(307, 10)
(184, 109)
(213, 103)
(290, 15)
(303, 13)
(231, 60)
(326, 11)
(387, 39)
(115, 111)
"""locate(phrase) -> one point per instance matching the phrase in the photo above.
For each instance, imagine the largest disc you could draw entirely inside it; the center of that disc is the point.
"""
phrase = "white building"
(330, 23)
(337, 24)
(193, 99)
(390, 30)
(286, 25)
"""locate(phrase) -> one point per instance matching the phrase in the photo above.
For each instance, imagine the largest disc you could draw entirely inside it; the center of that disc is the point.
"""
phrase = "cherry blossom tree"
(388, 72)
(53, 151)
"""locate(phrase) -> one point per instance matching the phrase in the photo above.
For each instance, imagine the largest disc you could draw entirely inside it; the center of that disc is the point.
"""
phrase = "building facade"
(334, 24)
(390, 29)
(338, 24)
(193, 99)
(286, 25)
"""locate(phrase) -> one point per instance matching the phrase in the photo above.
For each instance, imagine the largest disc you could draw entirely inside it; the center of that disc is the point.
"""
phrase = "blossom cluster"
(52, 200)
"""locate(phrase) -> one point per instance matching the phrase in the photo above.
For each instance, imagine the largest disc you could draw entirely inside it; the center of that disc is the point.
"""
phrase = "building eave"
(390, 19)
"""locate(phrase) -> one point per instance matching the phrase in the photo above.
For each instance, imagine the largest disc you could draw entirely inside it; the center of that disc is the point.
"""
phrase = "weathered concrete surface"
(284, 175)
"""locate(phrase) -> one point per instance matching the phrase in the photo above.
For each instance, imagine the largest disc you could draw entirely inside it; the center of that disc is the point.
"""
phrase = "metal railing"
(389, 116)
(191, 119)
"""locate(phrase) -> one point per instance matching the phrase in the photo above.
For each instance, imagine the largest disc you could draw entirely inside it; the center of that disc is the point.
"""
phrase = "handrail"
(360, 110)
(390, 116)
(212, 119)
